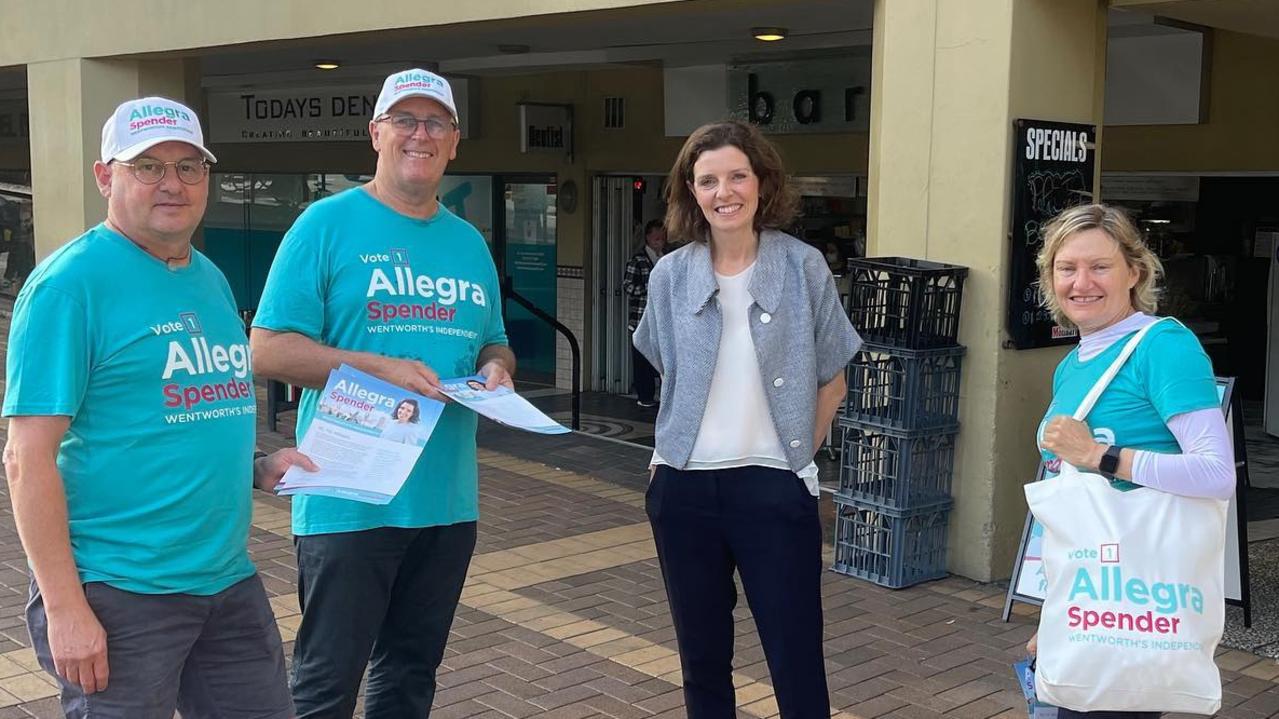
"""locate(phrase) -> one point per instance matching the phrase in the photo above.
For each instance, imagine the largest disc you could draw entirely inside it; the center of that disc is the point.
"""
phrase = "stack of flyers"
(366, 436)
(1035, 709)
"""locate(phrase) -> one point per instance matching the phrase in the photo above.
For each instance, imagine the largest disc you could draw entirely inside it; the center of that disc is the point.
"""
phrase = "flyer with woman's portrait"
(366, 436)
(500, 405)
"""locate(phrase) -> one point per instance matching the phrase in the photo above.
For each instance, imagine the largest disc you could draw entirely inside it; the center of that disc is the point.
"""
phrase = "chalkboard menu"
(1052, 170)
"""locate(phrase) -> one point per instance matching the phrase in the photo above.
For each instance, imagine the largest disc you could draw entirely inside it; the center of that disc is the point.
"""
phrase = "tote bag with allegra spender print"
(1135, 604)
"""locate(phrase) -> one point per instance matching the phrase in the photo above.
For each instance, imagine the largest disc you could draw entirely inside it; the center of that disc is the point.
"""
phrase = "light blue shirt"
(403, 432)
(354, 274)
(155, 374)
(1168, 374)
(801, 335)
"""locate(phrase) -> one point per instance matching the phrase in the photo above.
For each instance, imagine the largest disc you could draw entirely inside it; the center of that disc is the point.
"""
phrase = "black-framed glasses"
(151, 172)
(406, 125)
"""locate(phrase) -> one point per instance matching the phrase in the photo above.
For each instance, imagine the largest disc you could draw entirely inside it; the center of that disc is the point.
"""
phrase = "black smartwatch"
(1109, 463)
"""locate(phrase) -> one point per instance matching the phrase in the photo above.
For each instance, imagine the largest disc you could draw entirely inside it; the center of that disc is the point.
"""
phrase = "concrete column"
(69, 101)
(949, 79)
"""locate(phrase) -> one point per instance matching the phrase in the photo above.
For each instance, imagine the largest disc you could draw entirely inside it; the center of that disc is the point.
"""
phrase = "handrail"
(509, 293)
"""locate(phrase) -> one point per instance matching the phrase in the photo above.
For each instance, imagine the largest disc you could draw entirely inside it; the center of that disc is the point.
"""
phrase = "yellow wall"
(948, 82)
(1241, 133)
(42, 30)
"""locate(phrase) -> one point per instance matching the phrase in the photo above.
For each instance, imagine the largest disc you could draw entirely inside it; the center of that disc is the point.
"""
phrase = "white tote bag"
(1135, 604)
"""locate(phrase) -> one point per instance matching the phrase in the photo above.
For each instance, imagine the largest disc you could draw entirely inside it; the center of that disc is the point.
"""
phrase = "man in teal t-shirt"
(385, 279)
(131, 435)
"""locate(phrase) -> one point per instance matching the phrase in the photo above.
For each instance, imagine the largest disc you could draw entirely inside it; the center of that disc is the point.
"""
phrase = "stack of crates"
(900, 421)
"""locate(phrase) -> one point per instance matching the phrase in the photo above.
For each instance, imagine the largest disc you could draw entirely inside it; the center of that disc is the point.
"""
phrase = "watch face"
(1110, 460)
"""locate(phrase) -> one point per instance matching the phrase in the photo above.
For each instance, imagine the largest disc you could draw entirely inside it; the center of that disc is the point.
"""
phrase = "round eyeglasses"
(406, 125)
(151, 172)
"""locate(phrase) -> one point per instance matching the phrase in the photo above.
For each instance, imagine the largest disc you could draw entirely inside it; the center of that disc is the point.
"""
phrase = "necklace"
(172, 263)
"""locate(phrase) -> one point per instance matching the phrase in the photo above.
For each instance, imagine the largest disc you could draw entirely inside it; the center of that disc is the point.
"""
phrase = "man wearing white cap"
(130, 452)
(386, 279)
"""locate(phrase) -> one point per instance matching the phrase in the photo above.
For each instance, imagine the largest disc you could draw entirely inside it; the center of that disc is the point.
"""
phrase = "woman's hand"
(1072, 441)
(1032, 646)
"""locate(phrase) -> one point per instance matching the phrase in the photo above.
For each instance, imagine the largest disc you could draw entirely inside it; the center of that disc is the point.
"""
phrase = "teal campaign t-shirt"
(354, 274)
(152, 366)
(1167, 375)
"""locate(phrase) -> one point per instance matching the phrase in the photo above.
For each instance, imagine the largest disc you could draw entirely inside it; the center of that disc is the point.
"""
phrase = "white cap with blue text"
(138, 125)
(414, 83)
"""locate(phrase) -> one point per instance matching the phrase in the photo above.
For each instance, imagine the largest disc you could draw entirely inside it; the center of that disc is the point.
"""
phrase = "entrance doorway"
(623, 205)
(250, 212)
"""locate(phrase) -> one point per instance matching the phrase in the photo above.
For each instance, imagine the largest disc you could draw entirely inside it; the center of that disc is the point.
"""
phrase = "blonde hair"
(1144, 295)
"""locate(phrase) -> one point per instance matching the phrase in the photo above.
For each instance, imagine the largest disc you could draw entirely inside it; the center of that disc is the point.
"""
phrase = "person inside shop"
(746, 328)
(379, 584)
(1159, 423)
(834, 258)
(635, 285)
(131, 483)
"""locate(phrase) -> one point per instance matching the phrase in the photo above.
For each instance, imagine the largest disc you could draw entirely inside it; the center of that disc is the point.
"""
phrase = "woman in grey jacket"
(745, 325)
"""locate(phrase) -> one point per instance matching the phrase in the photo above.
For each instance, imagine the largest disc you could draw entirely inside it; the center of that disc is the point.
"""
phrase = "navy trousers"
(762, 523)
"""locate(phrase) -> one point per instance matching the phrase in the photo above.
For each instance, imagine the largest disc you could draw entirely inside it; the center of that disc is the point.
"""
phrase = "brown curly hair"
(778, 201)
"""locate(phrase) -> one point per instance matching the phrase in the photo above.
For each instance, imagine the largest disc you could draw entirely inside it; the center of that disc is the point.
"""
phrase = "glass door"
(528, 259)
(247, 217)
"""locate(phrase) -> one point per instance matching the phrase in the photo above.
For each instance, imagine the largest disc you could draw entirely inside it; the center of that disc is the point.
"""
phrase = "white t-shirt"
(737, 429)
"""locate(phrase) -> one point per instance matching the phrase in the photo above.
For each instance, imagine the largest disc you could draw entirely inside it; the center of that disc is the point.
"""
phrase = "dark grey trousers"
(210, 657)
(382, 598)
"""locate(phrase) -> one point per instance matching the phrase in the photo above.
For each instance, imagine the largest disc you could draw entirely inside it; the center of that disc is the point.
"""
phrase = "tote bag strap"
(1103, 382)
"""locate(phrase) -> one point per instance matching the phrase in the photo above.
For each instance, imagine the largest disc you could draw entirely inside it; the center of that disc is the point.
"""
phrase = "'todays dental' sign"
(317, 114)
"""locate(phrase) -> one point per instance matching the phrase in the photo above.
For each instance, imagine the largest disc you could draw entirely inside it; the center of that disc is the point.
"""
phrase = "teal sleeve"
(293, 298)
(49, 354)
(1178, 373)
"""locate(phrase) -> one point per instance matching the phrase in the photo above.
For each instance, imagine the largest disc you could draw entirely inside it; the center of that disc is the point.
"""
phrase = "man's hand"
(78, 644)
(496, 375)
(269, 470)
(1032, 646)
(412, 375)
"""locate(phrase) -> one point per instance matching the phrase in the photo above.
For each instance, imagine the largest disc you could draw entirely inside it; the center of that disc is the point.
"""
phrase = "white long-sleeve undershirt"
(1206, 465)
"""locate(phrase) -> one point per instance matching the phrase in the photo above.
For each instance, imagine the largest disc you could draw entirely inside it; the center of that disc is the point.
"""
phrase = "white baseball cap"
(414, 83)
(137, 125)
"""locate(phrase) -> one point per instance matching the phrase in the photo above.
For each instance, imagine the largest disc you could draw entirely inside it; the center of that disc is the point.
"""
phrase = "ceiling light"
(769, 34)
(327, 64)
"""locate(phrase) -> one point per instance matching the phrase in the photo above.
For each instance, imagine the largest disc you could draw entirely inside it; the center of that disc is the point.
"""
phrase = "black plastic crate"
(900, 470)
(891, 548)
(905, 302)
(904, 389)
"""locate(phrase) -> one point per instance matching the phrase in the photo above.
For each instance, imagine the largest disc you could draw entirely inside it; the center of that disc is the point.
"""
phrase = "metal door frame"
(611, 212)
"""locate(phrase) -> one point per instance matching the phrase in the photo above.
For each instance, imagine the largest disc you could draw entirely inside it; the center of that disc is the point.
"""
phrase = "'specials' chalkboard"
(1052, 170)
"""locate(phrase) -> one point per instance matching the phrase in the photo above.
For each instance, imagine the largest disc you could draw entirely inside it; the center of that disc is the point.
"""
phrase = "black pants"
(645, 376)
(379, 597)
(1071, 714)
(762, 523)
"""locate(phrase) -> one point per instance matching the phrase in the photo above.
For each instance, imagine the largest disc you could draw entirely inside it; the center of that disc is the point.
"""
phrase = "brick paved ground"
(564, 615)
